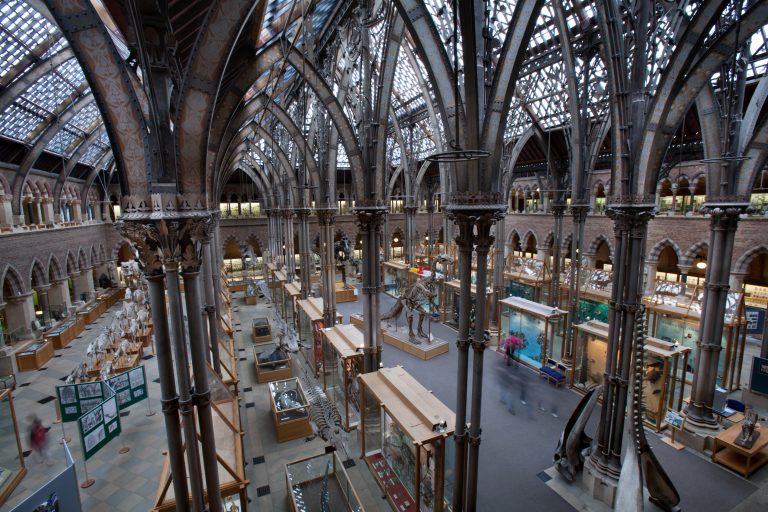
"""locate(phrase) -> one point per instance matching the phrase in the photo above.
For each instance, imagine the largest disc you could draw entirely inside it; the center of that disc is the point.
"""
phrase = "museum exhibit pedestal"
(345, 294)
(33, 356)
(744, 461)
(290, 410)
(276, 369)
(398, 338)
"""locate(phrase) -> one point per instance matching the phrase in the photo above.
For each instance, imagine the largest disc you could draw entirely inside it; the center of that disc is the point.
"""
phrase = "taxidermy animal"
(420, 293)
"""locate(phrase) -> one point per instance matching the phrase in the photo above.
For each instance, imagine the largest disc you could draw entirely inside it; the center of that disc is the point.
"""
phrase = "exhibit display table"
(34, 356)
(290, 410)
(744, 461)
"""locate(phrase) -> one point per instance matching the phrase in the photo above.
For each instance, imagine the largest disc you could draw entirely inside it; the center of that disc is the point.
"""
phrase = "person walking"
(38, 439)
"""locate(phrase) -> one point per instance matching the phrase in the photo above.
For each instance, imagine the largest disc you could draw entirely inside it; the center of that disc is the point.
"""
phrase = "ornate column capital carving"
(579, 212)
(368, 219)
(326, 216)
(632, 219)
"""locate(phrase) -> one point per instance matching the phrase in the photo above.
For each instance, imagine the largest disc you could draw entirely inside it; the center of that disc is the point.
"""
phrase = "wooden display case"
(311, 325)
(744, 461)
(261, 330)
(62, 335)
(33, 356)
(452, 292)
(343, 362)
(290, 410)
(291, 293)
(230, 455)
(305, 478)
(405, 438)
(527, 278)
(396, 276)
(12, 467)
(271, 364)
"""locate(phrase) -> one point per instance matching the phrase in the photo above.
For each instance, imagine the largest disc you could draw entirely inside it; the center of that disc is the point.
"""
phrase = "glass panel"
(371, 422)
(399, 452)
(10, 456)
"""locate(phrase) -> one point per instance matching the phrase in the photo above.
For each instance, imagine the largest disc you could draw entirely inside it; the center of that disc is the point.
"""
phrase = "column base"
(598, 484)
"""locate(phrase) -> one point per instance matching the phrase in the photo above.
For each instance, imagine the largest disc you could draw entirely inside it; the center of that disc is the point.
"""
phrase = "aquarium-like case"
(540, 328)
(261, 330)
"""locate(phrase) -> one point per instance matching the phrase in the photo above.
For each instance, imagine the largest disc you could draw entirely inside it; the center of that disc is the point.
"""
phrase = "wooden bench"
(552, 372)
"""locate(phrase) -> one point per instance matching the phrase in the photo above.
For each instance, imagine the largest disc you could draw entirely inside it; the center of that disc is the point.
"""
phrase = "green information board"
(77, 399)
(99, 426)
(759, 381)
(130, 387)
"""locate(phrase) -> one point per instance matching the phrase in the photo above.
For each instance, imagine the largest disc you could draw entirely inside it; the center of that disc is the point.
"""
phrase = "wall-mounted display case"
(406, 441)
(12, 468)
(290, 410)
(396, 276)
(343, 362)
(452, 305)
(527, 278)
(663, 369)
(230, 457)
(272, 362)
(541, 329)
(307, 479)
(674, 315)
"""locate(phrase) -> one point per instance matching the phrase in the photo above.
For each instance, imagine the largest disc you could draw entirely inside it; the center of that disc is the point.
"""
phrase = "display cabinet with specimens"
(406, 441)
(539, 329)
(290, 409)
(272, 362)
(528, 278)
(343, 356)
(396, 278)
(12, 467)
(261, 330)
(321, 478)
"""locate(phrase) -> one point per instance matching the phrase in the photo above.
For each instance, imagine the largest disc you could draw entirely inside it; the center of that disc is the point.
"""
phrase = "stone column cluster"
(327, 219)
(169, 248)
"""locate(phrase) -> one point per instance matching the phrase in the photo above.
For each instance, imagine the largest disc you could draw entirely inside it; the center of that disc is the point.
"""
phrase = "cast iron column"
(209, 276)
(498, 280)
(304, 256)
(186, 405)
(410, 235)
(201, 394)
(42, 297)
(386, 243)
(630, 228)
(558, 209)
(327, 220)
(368, 220)
(579, 213)
(290, 255)
(724, 219)
(168, 396)
(484, 240)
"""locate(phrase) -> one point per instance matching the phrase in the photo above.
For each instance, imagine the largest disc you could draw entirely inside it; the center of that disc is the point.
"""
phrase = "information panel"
(99, 426)
(130, 387)
(77, 399)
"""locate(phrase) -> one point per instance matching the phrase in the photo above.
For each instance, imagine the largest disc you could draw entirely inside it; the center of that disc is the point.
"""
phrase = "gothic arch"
(690, 254)
(659, 247)
(742, 264)
(596, 244)
(82, 259)
(37, 274)
(526, 238)
(54, 268)
(11, 277)
(549, 240)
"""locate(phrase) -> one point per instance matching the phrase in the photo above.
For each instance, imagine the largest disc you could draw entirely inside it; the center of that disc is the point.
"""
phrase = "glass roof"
(29, 40)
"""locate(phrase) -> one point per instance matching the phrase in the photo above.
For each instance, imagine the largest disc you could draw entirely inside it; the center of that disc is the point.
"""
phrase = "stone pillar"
(724, 219)
(630, 230)
(368, 219)
(38, 212)
(327, 219)
(289, 251)
(157, 251)
(685, 270)
(86, 280)
(19, 313)
(77, 213)
(304, 252)
(106, 210)
(42, 299)
(77, 284)
(48, 214)
(410, 235)
(58, 295)
(6, 213)
(268, 255)
(193, 232)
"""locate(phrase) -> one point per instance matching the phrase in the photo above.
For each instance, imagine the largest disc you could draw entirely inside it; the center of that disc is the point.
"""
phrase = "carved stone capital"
(146, 239)
(326, 216)
(302, 214)
(724, 216)
(630, 219)
(368, 219)
(579, 212)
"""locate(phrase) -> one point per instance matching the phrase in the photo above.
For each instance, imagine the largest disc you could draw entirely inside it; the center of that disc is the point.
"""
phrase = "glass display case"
(310, 330)
(540, 328)
(452, 303)
(12, 468)
(406, 441)
(228, 432)
(34, 356)
(261, 330)
(590, 348)
(291, 293)
(343, 362)
(251, 292)
(278, 289)
(527, 278)
(308, 479)
(663, 380)
(594, 292)
(674, 315)
(290, 410)
(396, 277)
(272, 362)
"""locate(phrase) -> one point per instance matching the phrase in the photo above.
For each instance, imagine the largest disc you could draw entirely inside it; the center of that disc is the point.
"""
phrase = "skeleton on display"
(106, 370)
(121, 354)
(342, 251)
(79, 374)
(287, 341)
(143, 318)
(640, 464)
(419, 294)
(128, 294)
